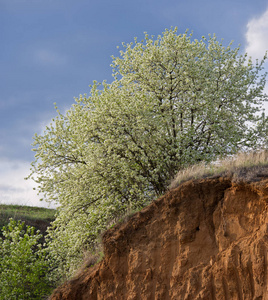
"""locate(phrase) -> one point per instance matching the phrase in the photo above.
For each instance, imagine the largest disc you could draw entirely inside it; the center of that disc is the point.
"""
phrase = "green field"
(38, 217)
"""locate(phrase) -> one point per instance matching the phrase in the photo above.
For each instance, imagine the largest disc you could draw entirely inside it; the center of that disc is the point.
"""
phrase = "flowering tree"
(174, 101)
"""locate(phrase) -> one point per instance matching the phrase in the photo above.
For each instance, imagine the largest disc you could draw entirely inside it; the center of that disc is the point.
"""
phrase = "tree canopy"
(174, 102)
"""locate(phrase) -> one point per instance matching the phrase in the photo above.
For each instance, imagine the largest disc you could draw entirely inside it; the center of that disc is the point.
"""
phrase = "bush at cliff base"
(25, 266)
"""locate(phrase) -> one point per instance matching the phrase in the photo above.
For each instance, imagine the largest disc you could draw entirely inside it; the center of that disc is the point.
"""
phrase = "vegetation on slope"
(252, 163)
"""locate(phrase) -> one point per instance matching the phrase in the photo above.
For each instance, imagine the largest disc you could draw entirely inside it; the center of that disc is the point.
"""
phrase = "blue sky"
(51, 50)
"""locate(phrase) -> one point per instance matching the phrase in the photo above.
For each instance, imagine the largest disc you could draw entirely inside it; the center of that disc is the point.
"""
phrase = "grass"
(238, 165)
(38, 217)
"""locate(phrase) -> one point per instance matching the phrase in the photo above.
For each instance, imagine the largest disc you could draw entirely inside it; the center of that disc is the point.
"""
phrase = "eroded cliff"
(206, 239)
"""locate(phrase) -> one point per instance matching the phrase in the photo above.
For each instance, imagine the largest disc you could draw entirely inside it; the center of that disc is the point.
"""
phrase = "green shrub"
(24, 265)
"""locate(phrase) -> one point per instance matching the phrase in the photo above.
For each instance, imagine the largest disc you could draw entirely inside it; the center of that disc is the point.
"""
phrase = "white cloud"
(14, 189)
(257, 41)
(256, 36)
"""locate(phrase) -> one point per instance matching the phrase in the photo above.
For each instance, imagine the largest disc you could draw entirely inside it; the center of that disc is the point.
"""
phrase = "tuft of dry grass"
(237, 165)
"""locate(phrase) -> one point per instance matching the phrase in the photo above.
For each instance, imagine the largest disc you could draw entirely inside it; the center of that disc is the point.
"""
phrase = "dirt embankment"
(206, 239)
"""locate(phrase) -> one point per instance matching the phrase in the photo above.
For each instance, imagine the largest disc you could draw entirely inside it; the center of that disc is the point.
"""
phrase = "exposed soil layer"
(206, 239)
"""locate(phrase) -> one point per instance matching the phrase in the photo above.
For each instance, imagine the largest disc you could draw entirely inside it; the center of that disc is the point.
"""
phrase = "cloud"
(256, 36)
(14, 189)
(257, 41)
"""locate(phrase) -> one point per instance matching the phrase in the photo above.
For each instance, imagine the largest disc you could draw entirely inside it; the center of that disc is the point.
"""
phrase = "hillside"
(38, 217)
(205, 239)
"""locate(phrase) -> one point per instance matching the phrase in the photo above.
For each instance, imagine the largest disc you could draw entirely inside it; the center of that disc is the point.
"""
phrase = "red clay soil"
(206, 239)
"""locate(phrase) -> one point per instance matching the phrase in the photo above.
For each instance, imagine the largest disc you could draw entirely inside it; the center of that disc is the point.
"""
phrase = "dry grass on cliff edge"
(229, 164)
